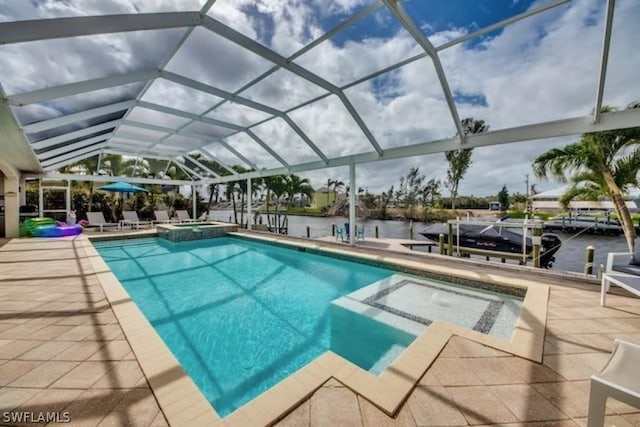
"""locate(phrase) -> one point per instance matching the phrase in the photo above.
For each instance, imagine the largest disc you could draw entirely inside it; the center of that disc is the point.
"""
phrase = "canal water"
(570, 257)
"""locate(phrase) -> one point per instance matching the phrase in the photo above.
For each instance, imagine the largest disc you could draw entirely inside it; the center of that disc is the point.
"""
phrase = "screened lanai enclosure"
(281, 87)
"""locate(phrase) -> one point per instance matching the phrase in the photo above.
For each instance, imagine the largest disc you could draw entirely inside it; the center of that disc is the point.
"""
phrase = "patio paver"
(62, 349)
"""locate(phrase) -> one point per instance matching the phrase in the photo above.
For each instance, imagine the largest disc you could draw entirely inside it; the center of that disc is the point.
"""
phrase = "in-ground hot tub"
(191, 231)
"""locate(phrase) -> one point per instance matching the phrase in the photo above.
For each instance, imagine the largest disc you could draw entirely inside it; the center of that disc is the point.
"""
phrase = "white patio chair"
(130, 218)
(619, 379)
(183, 216)
(163, 218)
(620, 272)
(96, 219)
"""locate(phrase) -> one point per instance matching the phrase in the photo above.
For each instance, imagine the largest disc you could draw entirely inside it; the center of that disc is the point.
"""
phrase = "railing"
(535, 225)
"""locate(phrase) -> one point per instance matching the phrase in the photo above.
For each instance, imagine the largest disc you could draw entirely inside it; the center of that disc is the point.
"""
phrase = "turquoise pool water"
(240, 316)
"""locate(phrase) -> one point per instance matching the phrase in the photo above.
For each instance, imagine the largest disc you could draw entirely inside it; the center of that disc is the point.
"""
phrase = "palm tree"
(276, 186)
(603, 164)
(230, 194)
(295, 185)
(89, 166)
(115, 165)
(239, 187)
(213, 190)
(337, 186)
(330, 183)
(154, 168)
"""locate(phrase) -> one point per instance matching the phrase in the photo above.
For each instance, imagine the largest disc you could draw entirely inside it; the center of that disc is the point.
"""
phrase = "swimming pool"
(240, 316)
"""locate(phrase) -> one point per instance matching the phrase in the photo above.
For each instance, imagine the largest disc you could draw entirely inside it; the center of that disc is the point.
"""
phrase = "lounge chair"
(619, 379)
(183, 216)
(360, 232)
(130, 218)
(622, 269)
(162, 217)
(96, 219)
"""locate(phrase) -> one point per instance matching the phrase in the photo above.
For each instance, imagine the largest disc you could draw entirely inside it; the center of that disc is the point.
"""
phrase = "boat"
(584, 223)
(495, 238)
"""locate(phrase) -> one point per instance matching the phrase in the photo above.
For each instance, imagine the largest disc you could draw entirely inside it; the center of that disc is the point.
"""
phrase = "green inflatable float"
(48, 227)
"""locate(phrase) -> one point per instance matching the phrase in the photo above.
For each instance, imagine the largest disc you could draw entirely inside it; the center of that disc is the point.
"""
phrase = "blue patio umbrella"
(122, 187)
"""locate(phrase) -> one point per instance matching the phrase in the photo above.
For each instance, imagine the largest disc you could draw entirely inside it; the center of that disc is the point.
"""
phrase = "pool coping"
(183, 403)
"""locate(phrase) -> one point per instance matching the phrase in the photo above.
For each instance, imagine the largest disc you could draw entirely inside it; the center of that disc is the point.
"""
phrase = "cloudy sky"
(538, 69)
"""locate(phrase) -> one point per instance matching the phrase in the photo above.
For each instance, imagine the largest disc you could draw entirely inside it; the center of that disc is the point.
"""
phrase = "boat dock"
(400, 245)
(408, 245)
(583, 224)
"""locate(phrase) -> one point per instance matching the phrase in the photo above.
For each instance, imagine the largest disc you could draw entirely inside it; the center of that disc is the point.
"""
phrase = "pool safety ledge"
(183, 404)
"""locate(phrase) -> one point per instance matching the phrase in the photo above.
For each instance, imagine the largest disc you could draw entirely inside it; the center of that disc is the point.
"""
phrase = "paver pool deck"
(62, 349)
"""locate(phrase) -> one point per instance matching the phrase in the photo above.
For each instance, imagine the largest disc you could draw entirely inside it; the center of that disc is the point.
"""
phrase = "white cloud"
(542, 68)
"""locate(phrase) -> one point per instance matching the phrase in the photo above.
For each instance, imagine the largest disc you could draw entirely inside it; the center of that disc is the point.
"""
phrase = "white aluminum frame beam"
(604, 60)
(176, 78)
(77, 117)
(220, 93)
(234, 152)
(412, 59)
(187, 169)
(208, 154)
(240, 39)
(124, 152)
(126, 143)
(205, 8)
(66, 148)
(152, 142)
(201, 138)
(251, 134)
(204, 139)
(206, 120)
(49, 142)
(138, 149)
(200, 165)
(45, 29)
(271, 151)
(502, 24)
(335, 30)
(108, 178)
(70, 157)
(566, 127)
(134, 137)
(185, 114)
(407, 22)
(76, 88)
(149, 126)
(69, 161)
(130, 151)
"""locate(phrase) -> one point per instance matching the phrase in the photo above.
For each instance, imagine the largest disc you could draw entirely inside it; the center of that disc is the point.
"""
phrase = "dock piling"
(308, 232)
(450, 240)
(537, 241)
(441, 243)
(588, 265)
(377, 233)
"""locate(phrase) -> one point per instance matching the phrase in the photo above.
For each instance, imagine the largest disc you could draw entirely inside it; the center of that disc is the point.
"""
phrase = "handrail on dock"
(535, 224)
